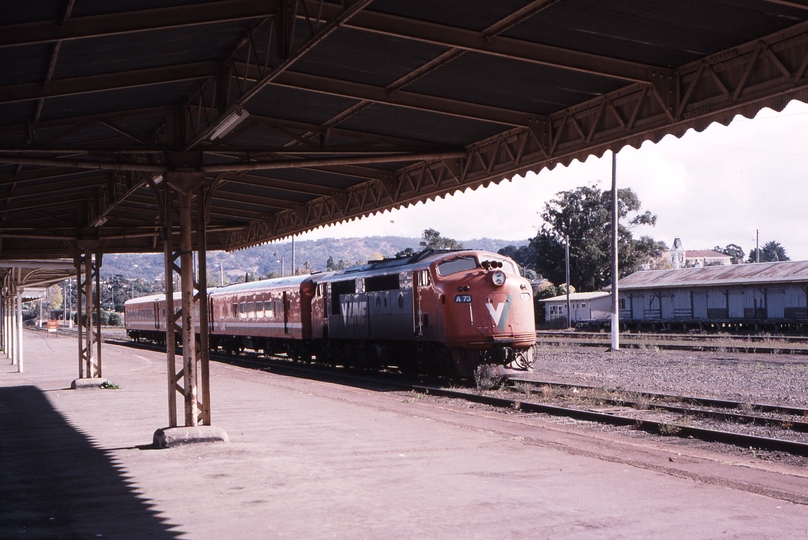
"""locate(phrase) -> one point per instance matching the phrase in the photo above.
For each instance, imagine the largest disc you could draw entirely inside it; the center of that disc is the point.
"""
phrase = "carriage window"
(268, 308)
(243, 310)
(278, 311)
(458, 264)
(251, 309)
(235, 310)
(259, 309)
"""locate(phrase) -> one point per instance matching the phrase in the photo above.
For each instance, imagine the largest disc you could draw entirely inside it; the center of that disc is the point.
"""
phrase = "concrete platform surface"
(315, 460)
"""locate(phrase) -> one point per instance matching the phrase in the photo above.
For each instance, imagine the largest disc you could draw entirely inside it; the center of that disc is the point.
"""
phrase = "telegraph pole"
(615, 230)
(567, 265)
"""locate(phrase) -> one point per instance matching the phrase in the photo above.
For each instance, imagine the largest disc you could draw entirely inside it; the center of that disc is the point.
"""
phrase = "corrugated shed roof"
(711, 276)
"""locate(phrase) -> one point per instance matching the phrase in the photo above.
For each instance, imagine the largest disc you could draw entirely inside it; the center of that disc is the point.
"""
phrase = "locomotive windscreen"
(459, 264)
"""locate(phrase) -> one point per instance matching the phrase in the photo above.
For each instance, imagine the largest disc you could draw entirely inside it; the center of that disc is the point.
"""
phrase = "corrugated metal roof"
(371, 107)
(711, 276)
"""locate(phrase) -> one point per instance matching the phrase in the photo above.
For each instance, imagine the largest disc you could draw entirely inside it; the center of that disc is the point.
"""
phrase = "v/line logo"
(499, 312)
(353, 308)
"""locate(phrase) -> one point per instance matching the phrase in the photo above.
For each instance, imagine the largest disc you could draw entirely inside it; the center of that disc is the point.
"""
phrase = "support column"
(19, 355)
(4, 317)
(88, 314)
(7, 321)
(186, 312)
(12, 338)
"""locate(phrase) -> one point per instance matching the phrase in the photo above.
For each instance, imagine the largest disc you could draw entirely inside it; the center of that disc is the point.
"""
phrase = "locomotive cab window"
(458, 264)
(339, 288)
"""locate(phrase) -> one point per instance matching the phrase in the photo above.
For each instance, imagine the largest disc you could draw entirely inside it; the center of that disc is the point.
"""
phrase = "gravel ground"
(750, 378)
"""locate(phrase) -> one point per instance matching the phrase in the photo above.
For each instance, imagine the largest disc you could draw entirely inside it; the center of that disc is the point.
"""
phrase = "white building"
(588, 306)
(695, 258)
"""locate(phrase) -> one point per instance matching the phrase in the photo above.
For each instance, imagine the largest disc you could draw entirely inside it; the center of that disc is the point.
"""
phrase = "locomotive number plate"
(463, 299)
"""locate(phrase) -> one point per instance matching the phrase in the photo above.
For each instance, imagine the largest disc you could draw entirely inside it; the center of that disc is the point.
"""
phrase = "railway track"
(682, 342)
(626, 409)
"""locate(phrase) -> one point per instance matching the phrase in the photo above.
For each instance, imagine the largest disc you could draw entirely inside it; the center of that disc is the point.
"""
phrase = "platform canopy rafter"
(305, 113)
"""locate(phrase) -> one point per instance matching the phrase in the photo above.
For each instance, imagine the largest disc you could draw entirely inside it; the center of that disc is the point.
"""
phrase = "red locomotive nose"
(496, 309)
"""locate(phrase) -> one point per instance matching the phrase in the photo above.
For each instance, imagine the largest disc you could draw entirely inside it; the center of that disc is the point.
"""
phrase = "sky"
(721, 186)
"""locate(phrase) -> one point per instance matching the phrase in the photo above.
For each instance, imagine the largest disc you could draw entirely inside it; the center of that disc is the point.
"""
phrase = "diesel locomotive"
(437, 311)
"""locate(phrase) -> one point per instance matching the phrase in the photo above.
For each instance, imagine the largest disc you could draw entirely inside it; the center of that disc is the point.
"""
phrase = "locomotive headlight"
(498, 278)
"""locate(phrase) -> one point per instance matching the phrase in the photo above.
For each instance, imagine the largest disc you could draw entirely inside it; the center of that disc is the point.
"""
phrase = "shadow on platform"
(55, 484)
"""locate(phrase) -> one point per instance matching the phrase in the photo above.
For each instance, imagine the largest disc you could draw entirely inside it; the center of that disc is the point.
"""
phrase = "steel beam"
(107, 82)
(409, 100)
(478, 42)
(133, 21)
(289, 56)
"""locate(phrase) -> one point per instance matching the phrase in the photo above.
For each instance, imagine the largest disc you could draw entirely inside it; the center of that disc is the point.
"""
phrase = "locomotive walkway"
(308, 459)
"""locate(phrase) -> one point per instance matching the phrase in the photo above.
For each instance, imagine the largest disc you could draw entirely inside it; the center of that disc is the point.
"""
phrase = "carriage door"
(285, 313)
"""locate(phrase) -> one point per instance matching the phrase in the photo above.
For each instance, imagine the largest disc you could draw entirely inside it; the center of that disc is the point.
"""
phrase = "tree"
(584, 215)
(331, 265)
(733, 250)
(770, 252)
(525, 257)
(54, 298)
(431, 239)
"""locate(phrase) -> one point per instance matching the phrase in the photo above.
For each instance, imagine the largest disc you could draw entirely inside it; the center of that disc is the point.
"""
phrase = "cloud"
(710, 188)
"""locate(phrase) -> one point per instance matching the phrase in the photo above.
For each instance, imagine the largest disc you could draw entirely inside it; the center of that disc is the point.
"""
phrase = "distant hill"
(261, 260)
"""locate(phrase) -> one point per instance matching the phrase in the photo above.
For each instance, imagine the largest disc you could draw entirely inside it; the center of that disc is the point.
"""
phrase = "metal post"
(4, 315)
(19, 328)
(567, 266)
(88, 307)
(79, 321)
(615, 231)
(97, 305)
(187, 316)
(757, 245)
(88, 314)
(294, 257)
(14, 322)
(8, 328)
(203, 347)
(170, 315)
(179, 192)
(3, 319)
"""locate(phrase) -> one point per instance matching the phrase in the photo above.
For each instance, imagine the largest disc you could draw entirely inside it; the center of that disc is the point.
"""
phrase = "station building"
(744, 297)
(587, 306)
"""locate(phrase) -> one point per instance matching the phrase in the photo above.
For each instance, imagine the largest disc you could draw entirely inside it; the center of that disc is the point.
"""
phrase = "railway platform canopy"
(186, 125)
(297, 114)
